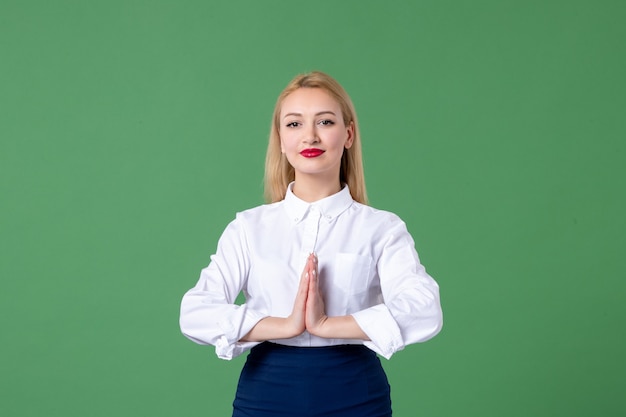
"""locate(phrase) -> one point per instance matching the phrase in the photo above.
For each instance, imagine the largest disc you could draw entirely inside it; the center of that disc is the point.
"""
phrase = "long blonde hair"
(279, 173)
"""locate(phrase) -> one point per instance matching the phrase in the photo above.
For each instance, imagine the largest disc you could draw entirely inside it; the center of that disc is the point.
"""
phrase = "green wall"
(132, 131)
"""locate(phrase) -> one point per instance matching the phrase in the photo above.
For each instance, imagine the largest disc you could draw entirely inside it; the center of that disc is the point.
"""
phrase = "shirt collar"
(329, 207)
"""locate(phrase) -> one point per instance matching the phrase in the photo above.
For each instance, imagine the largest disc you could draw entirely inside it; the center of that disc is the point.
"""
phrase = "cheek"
(286, 142)
(339, 140)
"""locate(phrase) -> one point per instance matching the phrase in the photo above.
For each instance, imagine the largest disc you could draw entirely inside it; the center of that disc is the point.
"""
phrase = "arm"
(338, 327)
(208, 313)
(411, 311)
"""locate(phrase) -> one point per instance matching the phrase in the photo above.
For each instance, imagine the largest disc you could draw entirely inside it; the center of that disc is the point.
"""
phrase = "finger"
(302, 294)
(313, 283)
(310, 267)
(307, 265)
(315, 266)
(307, 268)
(304, 282)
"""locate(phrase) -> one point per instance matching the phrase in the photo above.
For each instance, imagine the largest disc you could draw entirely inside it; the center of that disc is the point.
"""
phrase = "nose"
(310, 135)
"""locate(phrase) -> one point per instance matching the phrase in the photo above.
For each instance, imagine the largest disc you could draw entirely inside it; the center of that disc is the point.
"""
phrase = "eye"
(293, 124)
(326, 122)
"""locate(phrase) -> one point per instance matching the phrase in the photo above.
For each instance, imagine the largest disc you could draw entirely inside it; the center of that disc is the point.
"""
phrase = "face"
(313, 134)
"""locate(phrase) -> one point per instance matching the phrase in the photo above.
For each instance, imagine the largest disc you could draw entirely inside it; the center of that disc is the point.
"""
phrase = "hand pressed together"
(308, 314)
(315, 313)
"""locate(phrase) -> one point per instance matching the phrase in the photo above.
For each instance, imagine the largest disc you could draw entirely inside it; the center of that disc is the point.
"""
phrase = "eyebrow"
(317, 114)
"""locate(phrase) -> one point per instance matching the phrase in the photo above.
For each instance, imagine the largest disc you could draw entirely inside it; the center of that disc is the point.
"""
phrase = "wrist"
(322, 327)
(270, 328)
(338, 327)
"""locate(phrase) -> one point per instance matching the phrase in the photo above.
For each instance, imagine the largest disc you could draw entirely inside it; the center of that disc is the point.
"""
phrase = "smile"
(311, 153)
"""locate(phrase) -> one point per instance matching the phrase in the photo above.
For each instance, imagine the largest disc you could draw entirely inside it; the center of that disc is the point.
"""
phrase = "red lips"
(311, 152)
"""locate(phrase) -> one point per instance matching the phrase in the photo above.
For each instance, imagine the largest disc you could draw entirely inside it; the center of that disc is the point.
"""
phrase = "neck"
(312, 189)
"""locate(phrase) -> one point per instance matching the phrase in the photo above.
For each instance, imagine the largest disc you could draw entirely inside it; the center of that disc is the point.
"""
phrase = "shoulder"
(255, 214)
(381, 224)
(385, 227)
(250, 220)
(371, 213)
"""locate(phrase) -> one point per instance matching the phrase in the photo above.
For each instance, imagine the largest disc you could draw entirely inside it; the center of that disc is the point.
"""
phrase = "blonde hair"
(279, 173)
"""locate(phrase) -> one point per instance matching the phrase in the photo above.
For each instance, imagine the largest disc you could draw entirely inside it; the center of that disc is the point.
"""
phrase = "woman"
(329, 282)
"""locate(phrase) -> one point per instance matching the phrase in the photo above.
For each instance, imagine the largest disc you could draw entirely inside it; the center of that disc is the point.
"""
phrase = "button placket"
(311, 229)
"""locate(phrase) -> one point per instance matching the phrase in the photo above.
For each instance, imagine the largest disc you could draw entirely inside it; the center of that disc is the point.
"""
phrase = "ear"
(350, 138)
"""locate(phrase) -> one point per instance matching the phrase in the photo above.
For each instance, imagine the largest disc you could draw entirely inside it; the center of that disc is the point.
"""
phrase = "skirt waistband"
(338, 355)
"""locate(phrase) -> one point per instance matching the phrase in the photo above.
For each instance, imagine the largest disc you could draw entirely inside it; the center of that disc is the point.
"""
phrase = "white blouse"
(368, 268)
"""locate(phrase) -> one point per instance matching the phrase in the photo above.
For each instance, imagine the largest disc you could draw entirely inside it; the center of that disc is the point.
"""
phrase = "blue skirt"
(336, 381)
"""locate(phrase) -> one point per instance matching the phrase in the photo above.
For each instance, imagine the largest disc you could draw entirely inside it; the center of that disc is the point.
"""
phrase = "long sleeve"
(208, 312)
(411, 311)
(367, 263)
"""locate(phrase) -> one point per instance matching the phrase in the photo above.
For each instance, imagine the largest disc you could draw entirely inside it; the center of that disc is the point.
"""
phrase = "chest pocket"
(351, 273)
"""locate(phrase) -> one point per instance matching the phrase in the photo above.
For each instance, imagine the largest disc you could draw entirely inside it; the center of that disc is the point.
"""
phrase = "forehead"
(309, 100)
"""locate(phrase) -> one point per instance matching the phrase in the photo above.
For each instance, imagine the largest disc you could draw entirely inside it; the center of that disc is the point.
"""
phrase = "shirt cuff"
(382, 330)
(227, 351)
(228, 345)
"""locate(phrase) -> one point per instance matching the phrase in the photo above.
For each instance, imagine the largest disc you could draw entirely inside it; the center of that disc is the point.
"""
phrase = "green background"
(132, 131)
